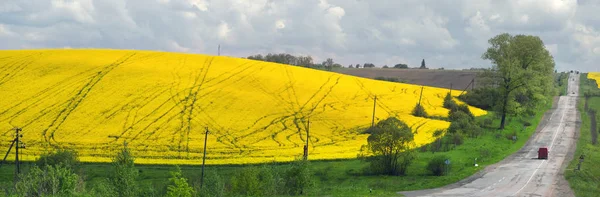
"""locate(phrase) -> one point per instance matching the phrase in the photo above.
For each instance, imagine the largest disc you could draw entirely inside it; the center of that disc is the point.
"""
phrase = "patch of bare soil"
(457, 79)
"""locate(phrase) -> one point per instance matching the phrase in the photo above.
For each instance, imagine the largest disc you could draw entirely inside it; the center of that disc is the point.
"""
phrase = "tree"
(179, 186)
(423, 65)
(328, 63)
(401, 66)
(522, 69)
(357, 65)
(390, 143)
(419, 111)
(351, 66)
(124, 179)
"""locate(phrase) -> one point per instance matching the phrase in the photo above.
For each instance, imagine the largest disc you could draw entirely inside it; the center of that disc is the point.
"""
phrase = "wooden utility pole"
(373, 118)
(219, 50)
(17, 163)
(204, 157)
(421, 95)
(307, 138)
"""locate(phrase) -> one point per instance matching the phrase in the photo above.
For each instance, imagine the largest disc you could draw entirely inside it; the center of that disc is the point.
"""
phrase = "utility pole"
(204, 157)
(373, 119)
(307, 138)
(219, 50)
(17, 164)
(421, 95)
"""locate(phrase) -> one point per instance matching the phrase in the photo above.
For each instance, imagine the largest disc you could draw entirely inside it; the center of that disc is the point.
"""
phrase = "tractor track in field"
(12, 70)
(74, 102)
(187, 105)
(295, 113)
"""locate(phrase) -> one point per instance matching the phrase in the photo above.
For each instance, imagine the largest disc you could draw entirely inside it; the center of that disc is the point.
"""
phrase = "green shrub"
(104, 188)
(65, 157)
(213, 185)
(51, 180)
(298, 178)
(437, 165)
(419, 111)
(246, 182)
(268, 181)
(179, 186)
(449, 103)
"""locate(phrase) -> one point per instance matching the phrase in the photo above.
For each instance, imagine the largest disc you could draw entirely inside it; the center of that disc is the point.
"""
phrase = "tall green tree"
(125, 174)
(521, 71)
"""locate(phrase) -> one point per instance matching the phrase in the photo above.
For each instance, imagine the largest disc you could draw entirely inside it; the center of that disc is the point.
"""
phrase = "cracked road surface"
(522, 174)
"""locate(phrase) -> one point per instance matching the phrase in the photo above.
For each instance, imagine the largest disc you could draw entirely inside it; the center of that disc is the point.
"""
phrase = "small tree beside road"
(390, 144)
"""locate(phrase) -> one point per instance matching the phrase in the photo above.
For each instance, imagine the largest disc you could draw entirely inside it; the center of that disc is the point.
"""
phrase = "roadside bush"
(437, 165)
(455, 139)
(487, 123)
(390, 144)
(52, 180)
(65, 157)
(419, 111)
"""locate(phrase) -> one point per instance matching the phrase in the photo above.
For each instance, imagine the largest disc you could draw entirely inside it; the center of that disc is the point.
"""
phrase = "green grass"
(563, 83)
(586, 182)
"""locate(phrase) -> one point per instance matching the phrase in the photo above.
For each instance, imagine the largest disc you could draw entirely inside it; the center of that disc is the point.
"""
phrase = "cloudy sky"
(446, 33)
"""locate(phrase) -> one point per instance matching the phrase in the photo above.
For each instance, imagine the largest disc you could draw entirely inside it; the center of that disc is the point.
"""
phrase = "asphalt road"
(522, 174)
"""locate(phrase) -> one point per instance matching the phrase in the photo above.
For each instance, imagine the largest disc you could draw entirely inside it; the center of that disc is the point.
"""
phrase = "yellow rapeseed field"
(160, 104)
(595, 76)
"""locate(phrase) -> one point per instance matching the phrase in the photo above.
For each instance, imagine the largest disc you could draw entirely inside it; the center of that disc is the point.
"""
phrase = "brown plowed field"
(437, 78)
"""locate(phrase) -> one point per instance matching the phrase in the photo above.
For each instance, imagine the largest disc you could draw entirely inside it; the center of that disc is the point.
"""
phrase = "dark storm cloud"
(450, 34)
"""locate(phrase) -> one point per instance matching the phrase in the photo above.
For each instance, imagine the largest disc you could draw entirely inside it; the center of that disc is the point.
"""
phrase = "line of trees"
(308, 61)
(304, 61)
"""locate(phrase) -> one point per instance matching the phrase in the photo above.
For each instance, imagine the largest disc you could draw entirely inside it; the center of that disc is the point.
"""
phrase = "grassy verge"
(562, 82)
(586, 182)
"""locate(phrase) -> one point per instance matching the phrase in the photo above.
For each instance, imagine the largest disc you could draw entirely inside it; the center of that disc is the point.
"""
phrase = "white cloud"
(280, 24)
(449, 33)
(223, 31)
(80, 10)
(201, 5)
(4, 31)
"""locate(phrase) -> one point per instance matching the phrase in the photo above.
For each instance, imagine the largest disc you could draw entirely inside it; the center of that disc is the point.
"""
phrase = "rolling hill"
(162, 103)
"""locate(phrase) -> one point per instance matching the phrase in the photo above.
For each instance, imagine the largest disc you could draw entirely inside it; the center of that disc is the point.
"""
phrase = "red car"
(543, 153)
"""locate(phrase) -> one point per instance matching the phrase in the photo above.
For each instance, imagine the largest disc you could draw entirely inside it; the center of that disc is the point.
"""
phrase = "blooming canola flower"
(162, 103)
